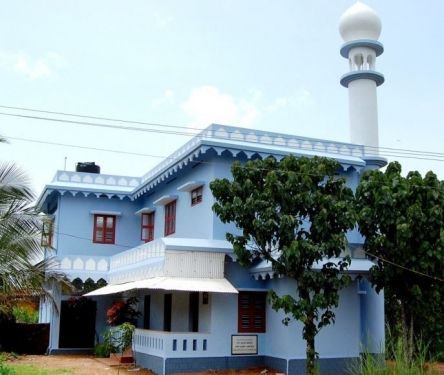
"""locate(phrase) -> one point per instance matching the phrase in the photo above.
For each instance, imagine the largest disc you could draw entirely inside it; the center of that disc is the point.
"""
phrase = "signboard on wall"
(243, 344)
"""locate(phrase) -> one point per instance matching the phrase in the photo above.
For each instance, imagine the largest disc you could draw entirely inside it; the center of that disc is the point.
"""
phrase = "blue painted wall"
(75, 225)
(191, 221)
(339, 340)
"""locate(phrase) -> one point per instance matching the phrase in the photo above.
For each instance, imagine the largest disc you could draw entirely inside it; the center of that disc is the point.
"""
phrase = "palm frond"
(24, 271)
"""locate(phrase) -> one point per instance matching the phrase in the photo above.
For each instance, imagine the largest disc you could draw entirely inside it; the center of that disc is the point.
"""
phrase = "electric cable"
(186, 131)
(367, 252)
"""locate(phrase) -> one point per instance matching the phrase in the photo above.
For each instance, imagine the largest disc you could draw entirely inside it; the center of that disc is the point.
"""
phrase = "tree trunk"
(310, 333)
(404, 331)
(411, 345)
(407, 333)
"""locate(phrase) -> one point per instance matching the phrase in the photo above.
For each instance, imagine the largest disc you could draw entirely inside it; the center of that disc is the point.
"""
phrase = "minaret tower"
(360, 28)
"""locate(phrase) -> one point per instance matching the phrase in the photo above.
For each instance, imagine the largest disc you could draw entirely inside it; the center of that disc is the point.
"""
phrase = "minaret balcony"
(362, 74)
(366, 43)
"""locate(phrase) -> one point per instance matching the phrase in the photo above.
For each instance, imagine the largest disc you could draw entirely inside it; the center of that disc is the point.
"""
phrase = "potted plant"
(122, 316)
(121, 339)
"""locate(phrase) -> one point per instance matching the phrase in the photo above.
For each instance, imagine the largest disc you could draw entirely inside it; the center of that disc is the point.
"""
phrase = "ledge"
(145, 210)
(190, 185)
(368, 43)
(362, 74)
(162, 201)
(103, 212)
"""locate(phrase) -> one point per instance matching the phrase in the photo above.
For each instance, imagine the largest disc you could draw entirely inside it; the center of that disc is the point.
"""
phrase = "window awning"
(101, 212)
(145, 210)
(164, 200)
(170, 283)
(190, 185)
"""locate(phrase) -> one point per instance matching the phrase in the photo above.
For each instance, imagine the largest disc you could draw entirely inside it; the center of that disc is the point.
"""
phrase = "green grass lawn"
(32, 370)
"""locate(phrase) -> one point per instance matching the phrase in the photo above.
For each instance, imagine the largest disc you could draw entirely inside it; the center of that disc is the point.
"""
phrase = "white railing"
(136, 255)
(97, 179)
(284, 140)
(171, 344)
(149, 342)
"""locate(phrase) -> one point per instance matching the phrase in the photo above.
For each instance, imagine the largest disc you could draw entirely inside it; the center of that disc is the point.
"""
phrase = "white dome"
(359, 22)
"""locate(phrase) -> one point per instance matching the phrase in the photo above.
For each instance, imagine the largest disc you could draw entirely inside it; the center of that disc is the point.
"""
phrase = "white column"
(363, 112)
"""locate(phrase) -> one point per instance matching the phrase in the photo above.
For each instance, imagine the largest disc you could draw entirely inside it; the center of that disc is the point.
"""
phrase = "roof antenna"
(64, 167)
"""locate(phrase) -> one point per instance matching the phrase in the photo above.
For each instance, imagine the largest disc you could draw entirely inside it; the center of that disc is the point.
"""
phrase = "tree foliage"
(22, 267)
(402, 219)
(295, 214)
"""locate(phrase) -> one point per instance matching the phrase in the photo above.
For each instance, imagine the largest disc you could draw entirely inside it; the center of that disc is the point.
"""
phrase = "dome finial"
(359, 22)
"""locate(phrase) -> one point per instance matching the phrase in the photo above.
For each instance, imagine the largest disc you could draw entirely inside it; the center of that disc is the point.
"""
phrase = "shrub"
(4, 369)
(103, 350)
(115, 340)
(25, 314)
(125, 340)
(399, 364)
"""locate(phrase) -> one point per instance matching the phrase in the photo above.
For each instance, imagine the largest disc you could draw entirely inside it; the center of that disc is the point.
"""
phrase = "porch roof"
(170, 283)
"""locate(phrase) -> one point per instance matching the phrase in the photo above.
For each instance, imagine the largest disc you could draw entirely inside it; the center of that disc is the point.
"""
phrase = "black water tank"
(88, 167)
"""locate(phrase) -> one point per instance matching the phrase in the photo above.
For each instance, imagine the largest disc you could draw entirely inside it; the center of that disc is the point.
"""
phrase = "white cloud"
(167, 97)
(300, 99)
(39, 69)
(32, 68)
(207, 105)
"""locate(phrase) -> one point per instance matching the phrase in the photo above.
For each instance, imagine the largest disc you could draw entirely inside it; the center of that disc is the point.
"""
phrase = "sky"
(263, 64)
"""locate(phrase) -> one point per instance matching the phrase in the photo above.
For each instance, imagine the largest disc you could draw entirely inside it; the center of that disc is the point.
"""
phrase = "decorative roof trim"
(376, 160)
(355, 162)
(221, 139)
(264, 269)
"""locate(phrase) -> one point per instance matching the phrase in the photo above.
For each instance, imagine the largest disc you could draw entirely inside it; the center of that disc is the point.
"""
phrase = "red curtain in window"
(147, 232)
(104, 229)
(170, 218)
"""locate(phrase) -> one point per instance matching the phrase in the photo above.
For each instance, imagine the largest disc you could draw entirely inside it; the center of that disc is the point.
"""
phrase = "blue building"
(156, 238)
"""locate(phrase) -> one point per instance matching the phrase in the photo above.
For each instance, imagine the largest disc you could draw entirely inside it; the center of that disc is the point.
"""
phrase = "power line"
(96, 117)
(403, 267)
(90, 240)
(440, 156)
(93, 124)
(129, 152)
(87, 147)
(402, 153)
(156, 156)
(367, 252)
(187, 131)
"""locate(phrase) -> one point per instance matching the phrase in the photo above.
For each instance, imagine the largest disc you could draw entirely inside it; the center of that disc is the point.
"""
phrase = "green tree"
(295, 214)
(21, 272)
(23, 269)
(402, 219)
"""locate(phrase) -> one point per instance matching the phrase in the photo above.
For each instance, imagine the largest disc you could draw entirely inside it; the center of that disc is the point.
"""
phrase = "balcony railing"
(171, 344)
